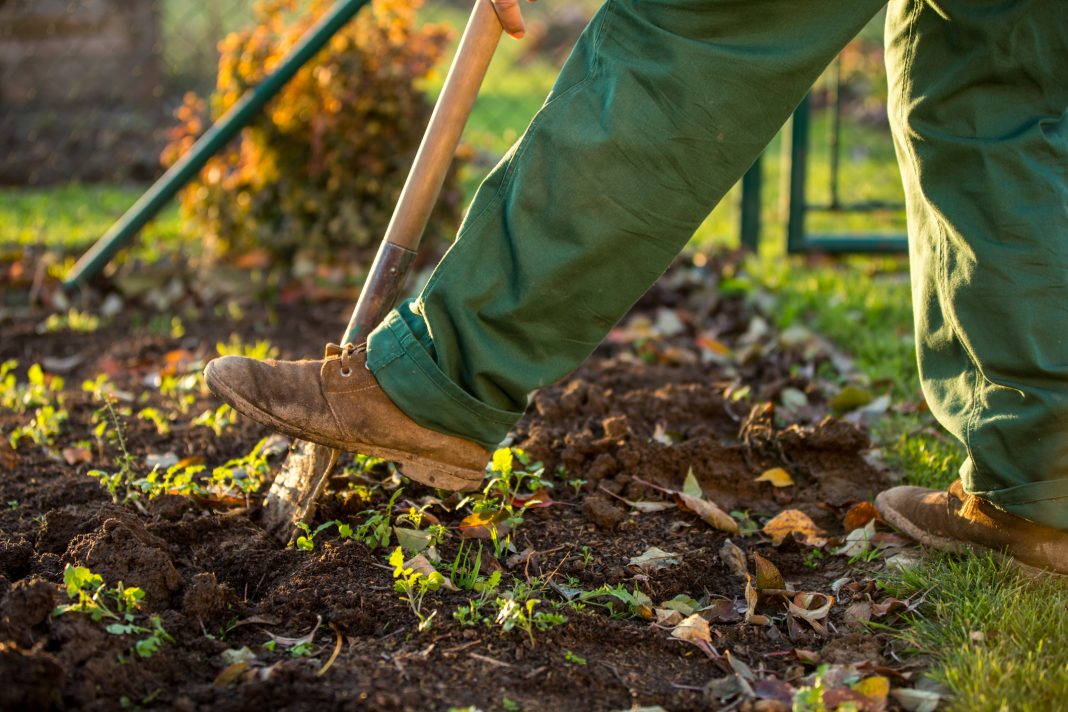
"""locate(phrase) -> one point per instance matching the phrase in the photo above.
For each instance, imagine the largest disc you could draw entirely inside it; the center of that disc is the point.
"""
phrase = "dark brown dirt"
(218, 583)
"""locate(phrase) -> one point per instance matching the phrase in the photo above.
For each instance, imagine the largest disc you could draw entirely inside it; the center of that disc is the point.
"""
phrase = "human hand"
(511, 17)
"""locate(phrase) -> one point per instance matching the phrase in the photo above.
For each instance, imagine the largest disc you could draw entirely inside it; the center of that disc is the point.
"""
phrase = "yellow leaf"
(502, 460)
(691, 486)
(767, 574)
(707, 511)
(794, 521)
(875, 688)
(777, 476)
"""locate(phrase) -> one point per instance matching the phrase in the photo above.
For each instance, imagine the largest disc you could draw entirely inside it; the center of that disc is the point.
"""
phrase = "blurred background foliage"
(322, 167)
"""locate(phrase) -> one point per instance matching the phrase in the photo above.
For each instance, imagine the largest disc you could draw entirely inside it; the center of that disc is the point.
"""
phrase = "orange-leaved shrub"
(321, 168)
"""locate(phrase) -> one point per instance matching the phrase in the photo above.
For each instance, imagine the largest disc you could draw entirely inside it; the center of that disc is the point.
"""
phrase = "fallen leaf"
(770, 688)
(161, 460)
(695, 630)
(889, 540)
(681, 603)
(243, 654)
(808, 657)
(420, 564)
(733, 558)
(916, 700)
(859, 514)
(654, 559)
(667, 616)
(740, 667)
(708, 512)
(77, 455)
(307, 638)
(691, 486)
(721, 611)
(888, 606)
(857, 541)
(875, 688)
(858, 613)
(752, 597)
(796, 522)
(537, 500)
(812, 607)
(850, 398)
(413, 540)
(648, 507)
(63, 366)
(777, 476)
(230, 674)
(660, 435)
(767, 574)
(481, 525)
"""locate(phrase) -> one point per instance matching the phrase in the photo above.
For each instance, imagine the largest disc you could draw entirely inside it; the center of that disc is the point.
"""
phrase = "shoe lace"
(346, 354)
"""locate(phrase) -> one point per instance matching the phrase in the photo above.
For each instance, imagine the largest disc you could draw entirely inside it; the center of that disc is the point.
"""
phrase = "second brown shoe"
(336, 401)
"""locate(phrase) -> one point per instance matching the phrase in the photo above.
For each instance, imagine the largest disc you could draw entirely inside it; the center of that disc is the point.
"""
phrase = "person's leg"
(660, 109)
(978, 100)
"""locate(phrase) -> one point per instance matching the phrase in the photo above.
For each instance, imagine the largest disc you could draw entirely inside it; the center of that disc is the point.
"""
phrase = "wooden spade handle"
(386, 277)
(446, 124)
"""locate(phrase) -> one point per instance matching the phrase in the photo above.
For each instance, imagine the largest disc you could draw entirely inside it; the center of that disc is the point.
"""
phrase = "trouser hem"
(407, 372)
(1045, 503)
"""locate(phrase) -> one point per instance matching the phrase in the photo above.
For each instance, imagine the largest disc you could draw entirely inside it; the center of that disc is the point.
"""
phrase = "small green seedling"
(574, 659)
(154, 416)
(217, 420)
(119, 605)
(306, 541)
(414, 585)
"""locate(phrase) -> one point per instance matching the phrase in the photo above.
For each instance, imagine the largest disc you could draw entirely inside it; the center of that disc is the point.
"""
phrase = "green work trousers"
(660, 109)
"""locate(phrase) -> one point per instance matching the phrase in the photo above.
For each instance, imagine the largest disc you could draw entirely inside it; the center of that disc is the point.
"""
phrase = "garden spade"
(293, 494)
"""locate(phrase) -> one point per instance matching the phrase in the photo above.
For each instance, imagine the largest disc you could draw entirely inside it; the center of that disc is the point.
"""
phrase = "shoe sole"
(423, 470)
(955, 546)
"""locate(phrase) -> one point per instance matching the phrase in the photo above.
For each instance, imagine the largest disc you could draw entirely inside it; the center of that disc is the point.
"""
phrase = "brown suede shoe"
(337, 402)
(958, 522)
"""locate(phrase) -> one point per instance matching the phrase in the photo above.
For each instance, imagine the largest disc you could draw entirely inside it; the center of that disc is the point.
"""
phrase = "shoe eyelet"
(346, 372)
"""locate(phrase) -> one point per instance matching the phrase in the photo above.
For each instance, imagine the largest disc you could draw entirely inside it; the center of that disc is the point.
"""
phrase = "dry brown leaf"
(767, 574)
(721, 611)
(858, 613)
(858, 515)
(667, 616)
(812, 607)
(420, 564)
(777, 476)
(708, 512)
(695, 630)
(752, 597)
(796, 522)
(77, 455)
(654, 559)
(481, 525)
(875, 688)
(733, 558)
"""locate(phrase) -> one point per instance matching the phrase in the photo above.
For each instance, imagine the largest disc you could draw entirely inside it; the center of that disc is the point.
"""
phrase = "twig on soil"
(491, 661)
(460, 648)
(535, 672)
(333, 656)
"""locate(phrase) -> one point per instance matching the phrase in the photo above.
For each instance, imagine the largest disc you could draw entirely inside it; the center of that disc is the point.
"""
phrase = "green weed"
(414, 586)
(119, 605)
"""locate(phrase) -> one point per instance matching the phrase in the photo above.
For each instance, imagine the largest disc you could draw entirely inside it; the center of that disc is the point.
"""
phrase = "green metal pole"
(221, 132)
(752, 182)
(798, 136)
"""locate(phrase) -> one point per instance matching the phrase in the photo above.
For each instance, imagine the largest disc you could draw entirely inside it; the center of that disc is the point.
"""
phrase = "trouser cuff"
(1044, 503)
(400, 354)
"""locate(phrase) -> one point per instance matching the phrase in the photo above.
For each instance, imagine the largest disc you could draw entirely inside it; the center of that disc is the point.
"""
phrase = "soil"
(639, 414)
